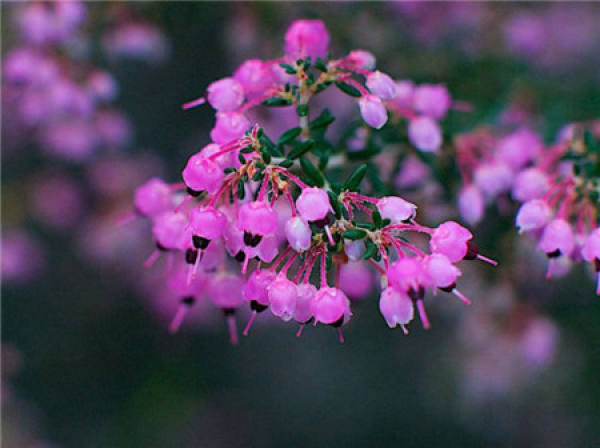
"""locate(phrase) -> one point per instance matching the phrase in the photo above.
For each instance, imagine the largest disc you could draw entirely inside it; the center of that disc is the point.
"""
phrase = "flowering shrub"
(285, 210)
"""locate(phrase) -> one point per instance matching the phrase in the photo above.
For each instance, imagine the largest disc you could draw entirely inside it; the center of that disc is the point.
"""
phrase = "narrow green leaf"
(348, 89)
(276, 102)
(289, 135)
(353, 182)
(354, 234)
(312, 172)
(301, 149)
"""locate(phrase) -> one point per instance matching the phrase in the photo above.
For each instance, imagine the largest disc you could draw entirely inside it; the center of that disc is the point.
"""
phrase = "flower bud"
(533, 215)
(225, 95)
(298, 233)
(396, 209)
(229, 126)
(330, 306)
(381, 85)
(373, 111)
(153, 198)
(425, 134)
(432, 100)
(306, 38)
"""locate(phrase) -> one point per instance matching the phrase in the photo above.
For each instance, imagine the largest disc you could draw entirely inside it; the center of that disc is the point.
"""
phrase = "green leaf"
(289, 135)
(266, 156)
(335, 204)
(302, 110)
(320, 65)
(276, 102)
(241, 158)
(354, 234)
(241, 191)
(312, 172)
(371, 250)
(323, 120)
(348, 89)
(365, 225)
(288, 69)
(353, 182)
(377, 220)
(286, 163)
(301, 149)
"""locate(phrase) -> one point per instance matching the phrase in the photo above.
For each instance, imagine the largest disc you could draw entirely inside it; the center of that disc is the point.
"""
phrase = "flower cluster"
(305, 70)
(271, 208)
(562, 213)
(51, 94)
(491, 166)
(556, 185)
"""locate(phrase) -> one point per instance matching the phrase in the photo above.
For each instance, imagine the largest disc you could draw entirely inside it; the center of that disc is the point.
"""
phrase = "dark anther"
(321, 223)
(416, 295)
(554, 254)
(252, 240)
(190, 256)
(472, 251)
(258, 307)
(228, 311)
(161, 247)
(200, 242)
(188, 301)
(597, 264)
(338, 323)
(240, 256)
(449, 288)
(193, 193)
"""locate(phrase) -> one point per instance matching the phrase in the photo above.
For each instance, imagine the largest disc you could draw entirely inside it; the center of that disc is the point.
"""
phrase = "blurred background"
(86, 357)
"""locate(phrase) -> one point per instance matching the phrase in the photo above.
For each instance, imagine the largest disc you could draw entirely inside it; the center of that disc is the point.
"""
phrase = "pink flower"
(396, 307)
(225, 95)
(313, 204)
(330, 306)
(171, 231)
(306, 294)
(255, 76)
(557, 238)
(207, 222)
(471, 204)
(298, 233)
(450, 239)
(591, 246)
(306, 38)
(153, 198)
(282, 297)
(396, 209)
(361, 58)
(432, 100)
(229, 126)
(425, 134)
(533, 215)
(531, 183)
(373, 111)
(440, 272)
(381, 85)
(201, 174)
(255, 288)
(257, 218)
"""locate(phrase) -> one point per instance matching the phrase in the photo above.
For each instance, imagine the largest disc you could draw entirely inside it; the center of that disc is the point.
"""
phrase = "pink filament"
(423, 315)
(178, 319)
(193, 103)
(232, 326)
(461, 296)
(152, 258)
(249, 324)
(340, 335)
(487, 260)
